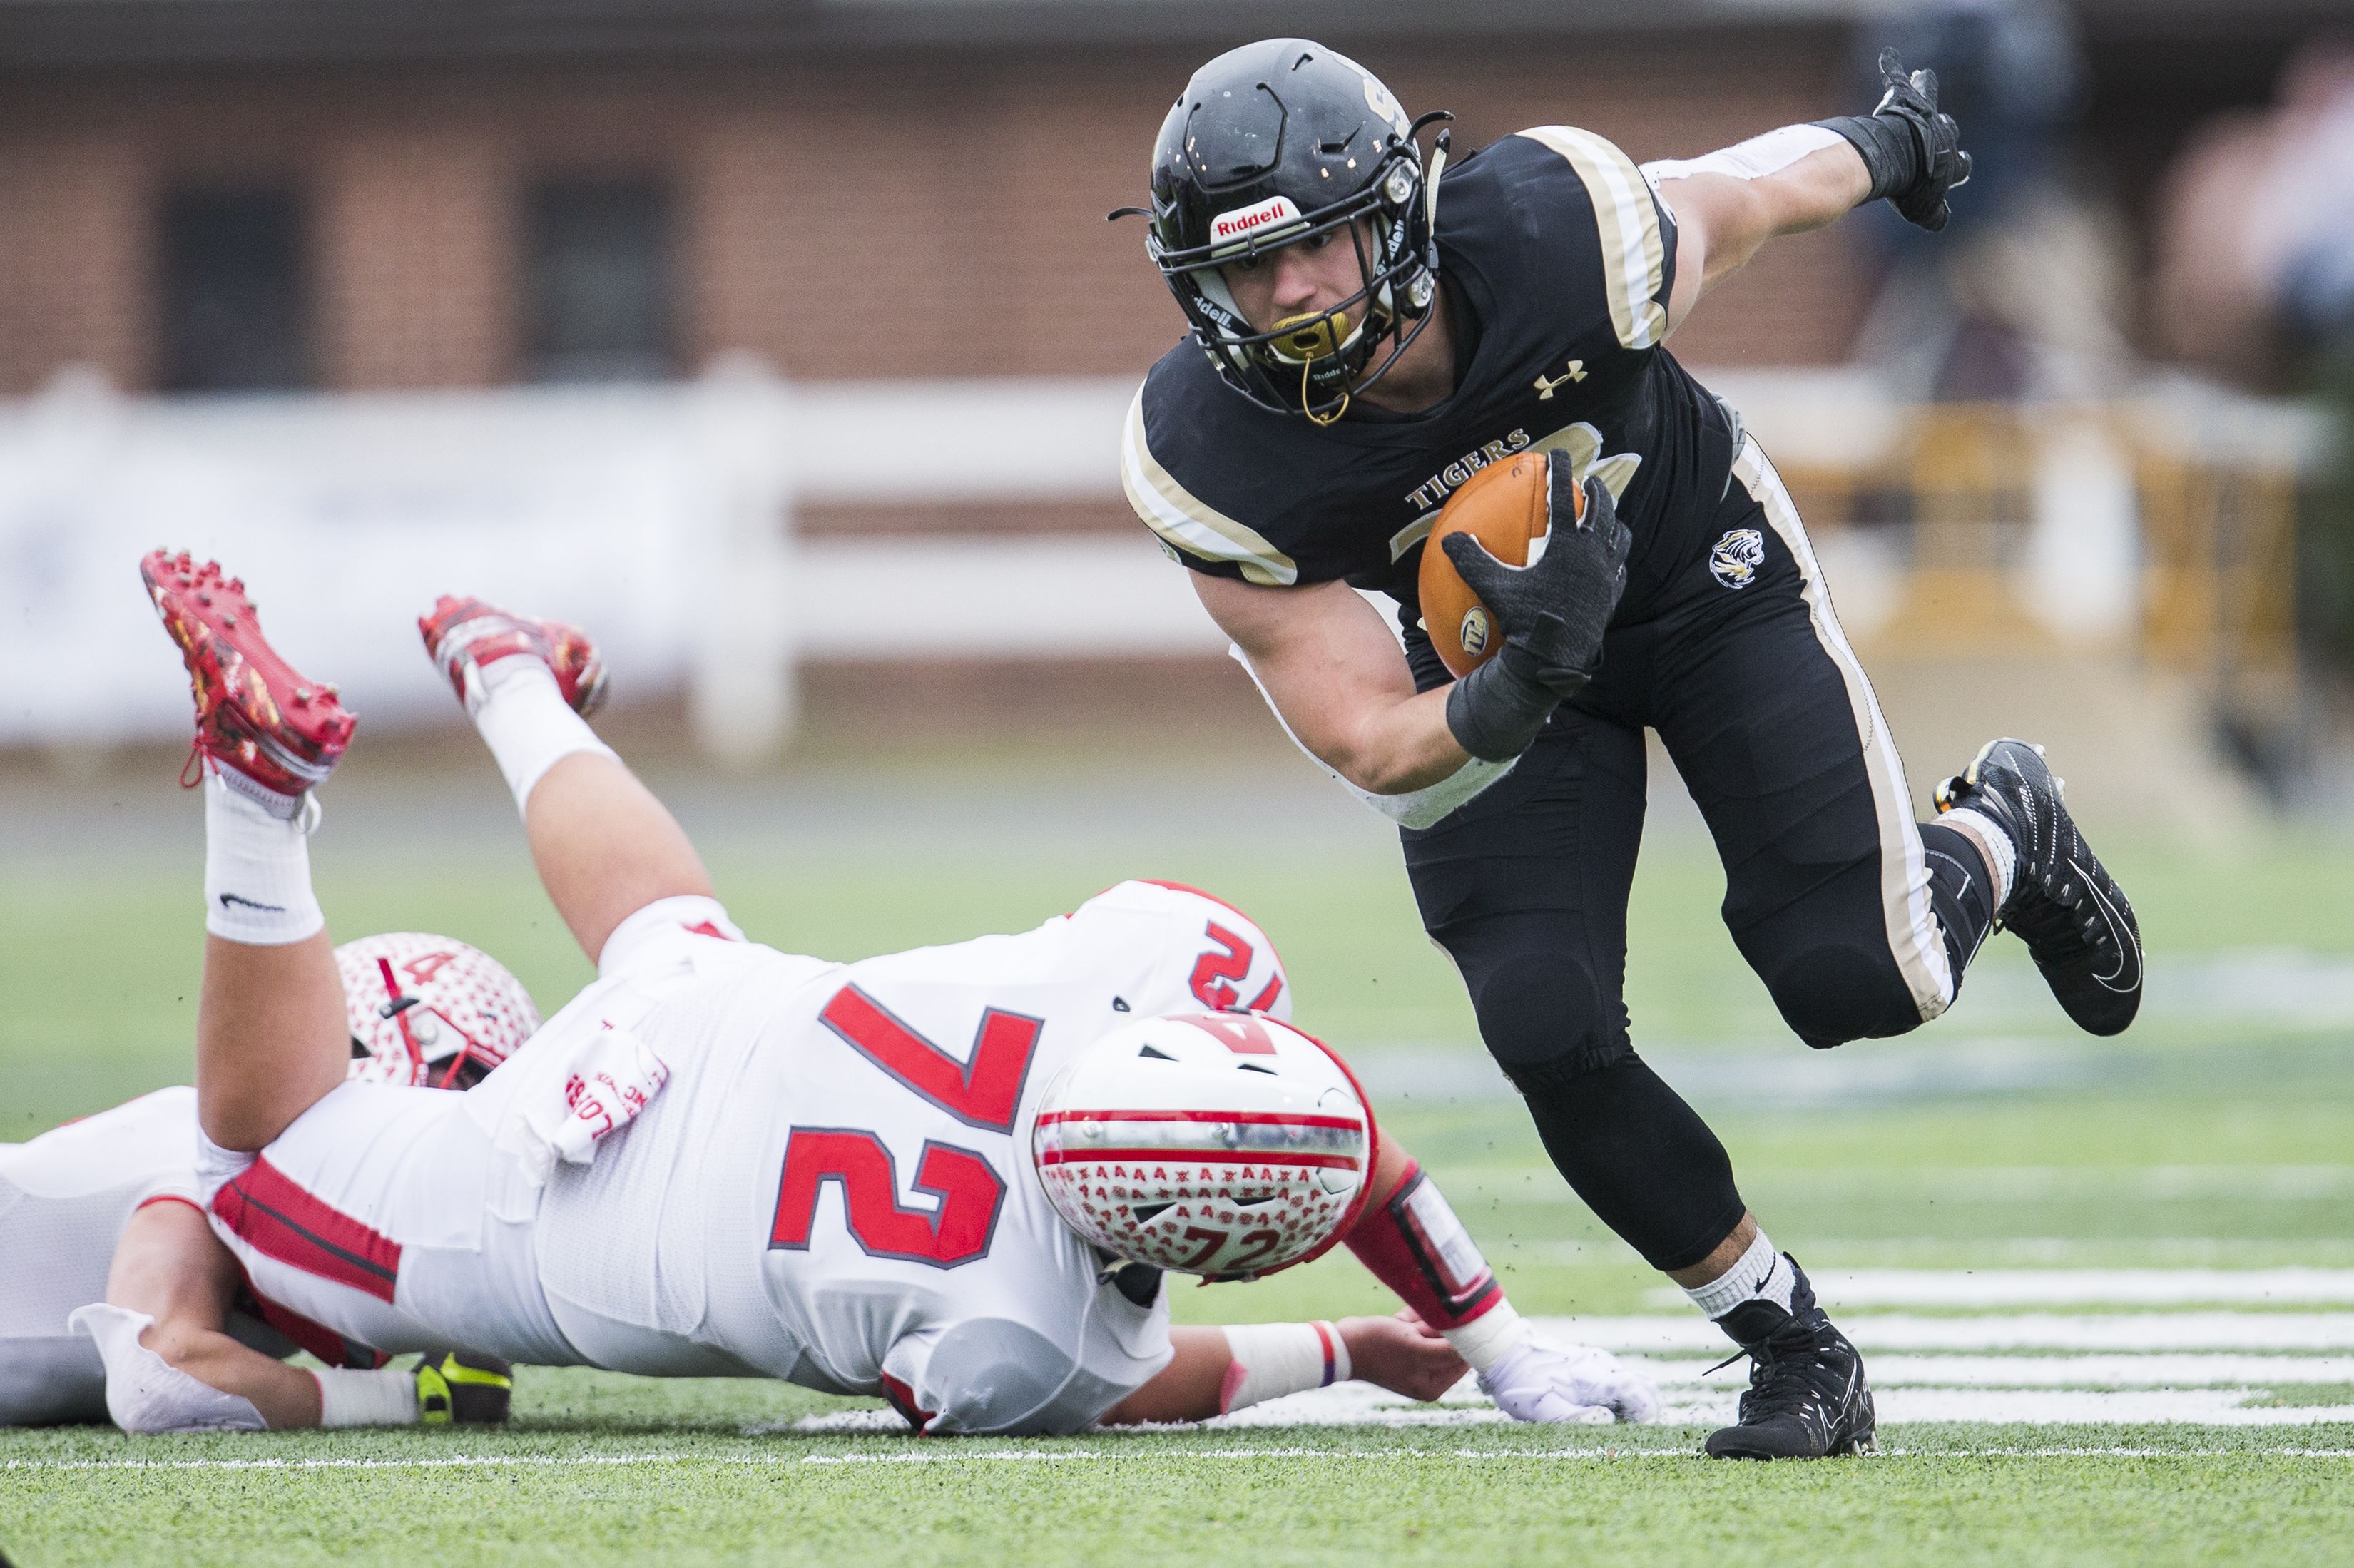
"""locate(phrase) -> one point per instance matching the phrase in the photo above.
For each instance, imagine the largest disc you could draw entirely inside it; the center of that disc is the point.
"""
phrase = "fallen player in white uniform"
(951, 1177)
(103, 1236)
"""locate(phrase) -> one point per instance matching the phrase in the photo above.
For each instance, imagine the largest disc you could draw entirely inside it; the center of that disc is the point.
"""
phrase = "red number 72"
(984, 1092)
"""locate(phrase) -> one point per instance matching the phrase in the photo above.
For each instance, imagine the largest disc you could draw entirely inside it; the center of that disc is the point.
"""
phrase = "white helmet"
(430, 1011)
(1221, 1144)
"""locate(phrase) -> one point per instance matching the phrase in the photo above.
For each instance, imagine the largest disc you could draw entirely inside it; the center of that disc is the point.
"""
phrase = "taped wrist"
(1271, 1359)
(1497, 710)
(387, 1397)
(1890, 151)
(1415, 1245)
(1491, 1336)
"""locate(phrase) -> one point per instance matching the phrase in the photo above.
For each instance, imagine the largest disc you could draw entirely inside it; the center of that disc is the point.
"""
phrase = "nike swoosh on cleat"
(229, 899)
(2128, 948)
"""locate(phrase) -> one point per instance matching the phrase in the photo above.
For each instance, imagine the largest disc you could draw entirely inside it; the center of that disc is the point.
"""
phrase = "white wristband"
(1271, 1359)
(1491, 1337)
(385, 1397)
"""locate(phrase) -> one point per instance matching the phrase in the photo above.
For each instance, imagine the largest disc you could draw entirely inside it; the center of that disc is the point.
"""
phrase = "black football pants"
(1858, 921)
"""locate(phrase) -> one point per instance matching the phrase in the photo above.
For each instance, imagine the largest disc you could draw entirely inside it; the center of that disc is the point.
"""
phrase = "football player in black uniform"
(1370, 328)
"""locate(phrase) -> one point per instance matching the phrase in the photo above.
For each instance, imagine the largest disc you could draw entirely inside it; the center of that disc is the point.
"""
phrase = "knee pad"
(1545, 1021)
(1831, 994)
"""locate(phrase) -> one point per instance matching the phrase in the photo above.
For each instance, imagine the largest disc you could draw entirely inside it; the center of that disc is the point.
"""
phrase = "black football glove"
(1913, 152)
(1551, 615)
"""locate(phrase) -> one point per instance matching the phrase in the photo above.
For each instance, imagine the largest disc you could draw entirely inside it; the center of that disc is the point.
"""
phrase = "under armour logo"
(1545, 384)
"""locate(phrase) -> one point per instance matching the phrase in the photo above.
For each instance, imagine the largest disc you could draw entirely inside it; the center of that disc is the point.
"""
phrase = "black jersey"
(1561, 256)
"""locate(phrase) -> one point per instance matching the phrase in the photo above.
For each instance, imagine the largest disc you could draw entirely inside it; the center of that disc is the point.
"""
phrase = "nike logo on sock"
(230, 900)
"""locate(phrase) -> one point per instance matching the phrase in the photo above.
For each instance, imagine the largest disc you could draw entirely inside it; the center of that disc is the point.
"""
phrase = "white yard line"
(1363, 1404)
(1688, 1332)
(1979, 1184)
(948, 1453)
(1852, 1287)
(2097, 1371)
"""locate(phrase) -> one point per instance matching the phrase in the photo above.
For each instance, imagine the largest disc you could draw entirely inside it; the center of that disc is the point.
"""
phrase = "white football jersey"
(835, 1187)
(64, 1200)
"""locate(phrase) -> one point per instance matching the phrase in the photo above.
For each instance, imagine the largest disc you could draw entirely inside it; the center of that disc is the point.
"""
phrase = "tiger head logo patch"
(1735, 559)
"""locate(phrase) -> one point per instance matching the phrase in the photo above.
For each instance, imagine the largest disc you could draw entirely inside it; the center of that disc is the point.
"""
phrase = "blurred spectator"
(2255, 282)
(2018, 297)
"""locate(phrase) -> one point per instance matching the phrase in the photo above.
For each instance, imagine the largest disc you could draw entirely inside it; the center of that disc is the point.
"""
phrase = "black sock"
(1642, 1159)
(1961, 891)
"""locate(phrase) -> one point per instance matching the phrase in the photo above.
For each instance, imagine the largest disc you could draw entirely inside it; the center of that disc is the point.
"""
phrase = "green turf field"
(2108, 1278)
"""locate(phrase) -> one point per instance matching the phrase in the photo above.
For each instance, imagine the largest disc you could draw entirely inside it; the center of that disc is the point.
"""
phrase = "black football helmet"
(1269, 143)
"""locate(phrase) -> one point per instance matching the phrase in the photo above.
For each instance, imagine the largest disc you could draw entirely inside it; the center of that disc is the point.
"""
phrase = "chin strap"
(1320, 420)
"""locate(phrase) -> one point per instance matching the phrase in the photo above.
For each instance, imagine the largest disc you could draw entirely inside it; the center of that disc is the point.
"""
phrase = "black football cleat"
(456, 1387)
(2068, 909)
(1807, 1397)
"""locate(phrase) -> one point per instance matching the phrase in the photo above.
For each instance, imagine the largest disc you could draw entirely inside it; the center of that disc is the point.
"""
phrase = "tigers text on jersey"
(1558, 257)
(64, 1200)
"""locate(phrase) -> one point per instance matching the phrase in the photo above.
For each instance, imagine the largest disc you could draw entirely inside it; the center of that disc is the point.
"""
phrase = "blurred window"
(236, 308)
(598, 282)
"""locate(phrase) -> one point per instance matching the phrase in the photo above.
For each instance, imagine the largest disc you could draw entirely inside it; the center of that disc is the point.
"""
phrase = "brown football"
(1504, 507)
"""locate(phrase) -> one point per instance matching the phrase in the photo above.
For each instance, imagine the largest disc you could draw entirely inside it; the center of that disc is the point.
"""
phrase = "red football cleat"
(269, 730)
(465, 635)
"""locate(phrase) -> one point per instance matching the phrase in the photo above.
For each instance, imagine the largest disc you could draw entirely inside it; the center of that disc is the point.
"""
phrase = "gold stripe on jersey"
(1186, 522)
(1634, 259)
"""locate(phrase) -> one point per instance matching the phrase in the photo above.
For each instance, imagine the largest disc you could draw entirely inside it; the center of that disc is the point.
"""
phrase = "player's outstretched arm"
(173, 1366)
(1800, 178)
(1409, 1238)
(604, 846)
(181, 1370)
(1216, 1370)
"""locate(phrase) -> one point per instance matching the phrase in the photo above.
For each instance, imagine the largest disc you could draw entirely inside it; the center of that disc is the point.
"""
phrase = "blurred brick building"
(263, 193)
(373, 207)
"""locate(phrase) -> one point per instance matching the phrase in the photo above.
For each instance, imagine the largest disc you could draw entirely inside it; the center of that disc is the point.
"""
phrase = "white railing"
(662, 517)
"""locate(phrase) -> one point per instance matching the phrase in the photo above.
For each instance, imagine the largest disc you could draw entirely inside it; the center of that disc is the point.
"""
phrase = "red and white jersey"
(834, 1186)
(65, 1198)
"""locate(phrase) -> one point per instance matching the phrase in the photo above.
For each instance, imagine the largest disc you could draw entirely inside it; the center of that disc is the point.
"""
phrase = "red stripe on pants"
(281, 1221)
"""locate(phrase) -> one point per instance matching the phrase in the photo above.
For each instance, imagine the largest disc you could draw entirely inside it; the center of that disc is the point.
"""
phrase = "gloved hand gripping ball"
(1519, 581)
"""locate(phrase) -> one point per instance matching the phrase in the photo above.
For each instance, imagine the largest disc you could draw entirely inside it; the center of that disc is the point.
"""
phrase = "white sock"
(257, 869)
(387, 1397)
(1760, 1273)
(525, 722)
(2001, 854)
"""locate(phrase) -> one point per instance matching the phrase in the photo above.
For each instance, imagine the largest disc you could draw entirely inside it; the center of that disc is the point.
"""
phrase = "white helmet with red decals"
(1220, 1144)
(430, 1011)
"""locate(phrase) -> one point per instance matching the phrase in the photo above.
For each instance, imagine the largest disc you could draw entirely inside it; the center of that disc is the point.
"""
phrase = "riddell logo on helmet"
(1276, 211)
